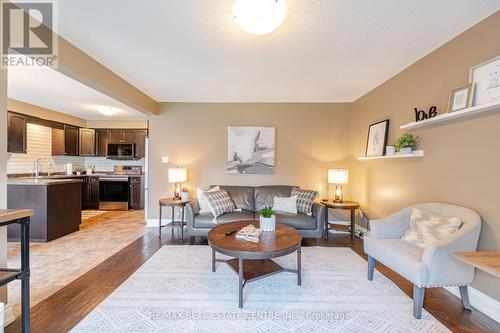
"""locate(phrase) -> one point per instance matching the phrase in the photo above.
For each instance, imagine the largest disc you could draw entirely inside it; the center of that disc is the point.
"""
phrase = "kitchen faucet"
(36, 167)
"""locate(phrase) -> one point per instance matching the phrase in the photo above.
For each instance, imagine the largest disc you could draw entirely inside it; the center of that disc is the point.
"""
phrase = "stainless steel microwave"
(121, 151)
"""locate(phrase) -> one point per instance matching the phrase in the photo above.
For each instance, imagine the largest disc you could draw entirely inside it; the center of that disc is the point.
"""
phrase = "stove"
(114, 189)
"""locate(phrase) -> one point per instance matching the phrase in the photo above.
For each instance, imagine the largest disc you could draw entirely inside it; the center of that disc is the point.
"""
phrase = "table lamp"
(177, 176)
(338, 177)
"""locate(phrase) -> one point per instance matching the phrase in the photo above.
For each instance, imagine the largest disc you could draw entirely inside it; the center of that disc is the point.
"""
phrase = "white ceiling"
(326, 50)
(52, 90)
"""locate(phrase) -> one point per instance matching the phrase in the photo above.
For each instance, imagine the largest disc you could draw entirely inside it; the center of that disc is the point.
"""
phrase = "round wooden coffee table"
(253, 261)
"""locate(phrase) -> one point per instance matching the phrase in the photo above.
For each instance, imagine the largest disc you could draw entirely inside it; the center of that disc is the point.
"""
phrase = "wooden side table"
(22, 217)
(488, 261)
(170, 202)
(346, 205)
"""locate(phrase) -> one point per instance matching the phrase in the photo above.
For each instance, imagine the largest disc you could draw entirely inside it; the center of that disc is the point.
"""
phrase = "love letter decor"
(422, 115)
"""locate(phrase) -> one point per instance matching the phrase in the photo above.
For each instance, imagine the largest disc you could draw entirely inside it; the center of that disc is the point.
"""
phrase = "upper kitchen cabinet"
(101, 142)
(87, 142)
(16, 129)
(71, 140)
(140, 143)
(57, 142)
(121, 136)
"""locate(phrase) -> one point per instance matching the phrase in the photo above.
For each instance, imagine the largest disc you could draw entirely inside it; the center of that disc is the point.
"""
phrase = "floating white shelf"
(471, 112)
(416, 153)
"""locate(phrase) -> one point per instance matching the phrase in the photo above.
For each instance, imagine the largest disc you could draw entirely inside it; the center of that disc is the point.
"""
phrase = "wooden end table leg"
(353, 225)
(173, 219)
(327, 226)
(299, 267)
(182, 223)
(159, 224)
(25, 282)
(213, 260)
(240, 282)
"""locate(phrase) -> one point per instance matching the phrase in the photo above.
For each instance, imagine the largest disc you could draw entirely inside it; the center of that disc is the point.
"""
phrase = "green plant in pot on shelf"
(406, 143)
(267, 219)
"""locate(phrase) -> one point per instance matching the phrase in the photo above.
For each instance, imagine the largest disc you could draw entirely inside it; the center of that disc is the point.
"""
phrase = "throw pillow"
(426, 229)
(204, 207)
(220, 202)
(285, 205)
(305, 200)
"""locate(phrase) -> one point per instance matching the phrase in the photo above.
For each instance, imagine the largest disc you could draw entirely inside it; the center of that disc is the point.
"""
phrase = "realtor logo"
(27, 34)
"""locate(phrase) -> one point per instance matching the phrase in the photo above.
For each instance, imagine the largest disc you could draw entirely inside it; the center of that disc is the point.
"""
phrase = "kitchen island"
(56, 203)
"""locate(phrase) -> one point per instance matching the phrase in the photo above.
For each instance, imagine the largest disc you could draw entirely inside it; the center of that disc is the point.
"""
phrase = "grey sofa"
(434, 266)
(250, 200)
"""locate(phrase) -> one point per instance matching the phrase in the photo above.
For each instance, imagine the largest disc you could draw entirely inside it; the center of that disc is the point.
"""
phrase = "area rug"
(175, 291)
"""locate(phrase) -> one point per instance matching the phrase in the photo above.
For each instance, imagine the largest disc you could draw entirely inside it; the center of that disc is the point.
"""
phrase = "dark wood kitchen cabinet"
(87, 142)
(16, 133)
(71, 140)
(136, 196)
(101, 142)
(57, 142)
(121, 136)
(90, 192)
(140, 143)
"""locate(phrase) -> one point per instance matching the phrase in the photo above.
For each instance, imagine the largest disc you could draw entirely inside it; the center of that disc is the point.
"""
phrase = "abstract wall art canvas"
(250, 150)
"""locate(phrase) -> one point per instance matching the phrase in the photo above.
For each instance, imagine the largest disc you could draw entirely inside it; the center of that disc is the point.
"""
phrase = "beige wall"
(462, 160)
(310, 138)
(3, 167)
(43, 113)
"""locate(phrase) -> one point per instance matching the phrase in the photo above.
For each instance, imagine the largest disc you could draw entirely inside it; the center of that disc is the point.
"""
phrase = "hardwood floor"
(64, 309)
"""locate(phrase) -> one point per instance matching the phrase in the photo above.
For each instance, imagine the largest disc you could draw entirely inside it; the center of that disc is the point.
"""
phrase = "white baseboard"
(481, 302)
(8, 315)
(153, 223)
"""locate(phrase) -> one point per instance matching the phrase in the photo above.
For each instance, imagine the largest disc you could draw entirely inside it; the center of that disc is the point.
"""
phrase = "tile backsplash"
(39, 146)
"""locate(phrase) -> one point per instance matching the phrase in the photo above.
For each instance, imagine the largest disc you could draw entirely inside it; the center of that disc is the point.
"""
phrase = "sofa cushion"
(242, 196)
(264, 195)
(399, 255)
(298, 221)
(426, 228)
(219, 201)
(206, 220)
(305, 200)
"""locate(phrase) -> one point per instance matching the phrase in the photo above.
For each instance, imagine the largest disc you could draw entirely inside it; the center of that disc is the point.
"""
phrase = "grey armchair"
(434, 266)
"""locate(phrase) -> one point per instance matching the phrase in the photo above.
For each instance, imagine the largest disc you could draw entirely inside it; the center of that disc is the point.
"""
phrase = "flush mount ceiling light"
(259, 17)
(107, 110)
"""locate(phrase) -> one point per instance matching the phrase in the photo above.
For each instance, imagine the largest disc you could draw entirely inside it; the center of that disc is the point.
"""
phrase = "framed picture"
(377, 138)
(461, 98)
(486, 80)
(250, 150)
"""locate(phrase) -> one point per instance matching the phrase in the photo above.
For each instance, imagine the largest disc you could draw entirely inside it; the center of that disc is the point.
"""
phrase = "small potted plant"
(267, 219)
(185, 194)
(78, 171)
(90, 169)
(406, 143)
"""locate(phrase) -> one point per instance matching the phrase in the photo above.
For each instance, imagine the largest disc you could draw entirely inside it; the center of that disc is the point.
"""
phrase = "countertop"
(14, 214)
(42, 181)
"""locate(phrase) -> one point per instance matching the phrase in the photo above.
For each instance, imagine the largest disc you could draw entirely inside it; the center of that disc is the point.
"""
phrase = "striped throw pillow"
(219, 202)
(305, 200)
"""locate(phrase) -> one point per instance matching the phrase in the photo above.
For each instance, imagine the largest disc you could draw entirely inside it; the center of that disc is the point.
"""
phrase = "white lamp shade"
(177, 175)
(338, 176)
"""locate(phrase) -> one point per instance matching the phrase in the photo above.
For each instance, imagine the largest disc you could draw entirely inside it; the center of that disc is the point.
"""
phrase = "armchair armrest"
(443, 267)
(319, 211)
(192, 209)
(392, 226)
